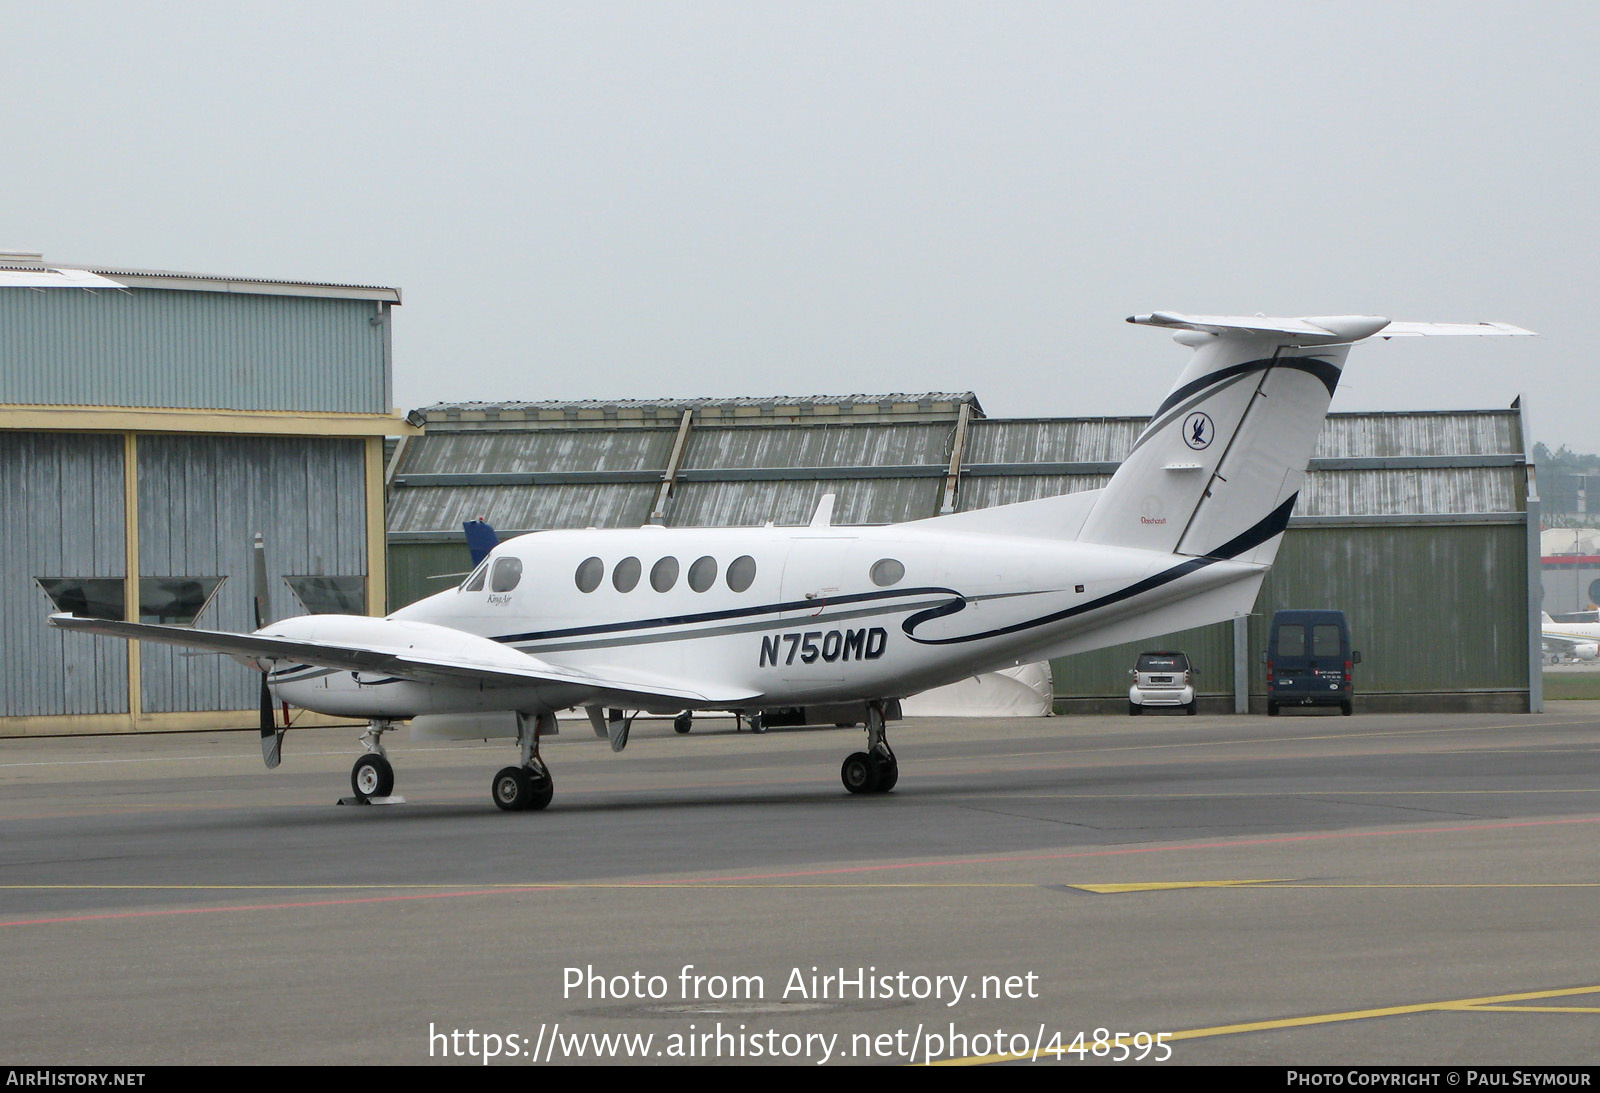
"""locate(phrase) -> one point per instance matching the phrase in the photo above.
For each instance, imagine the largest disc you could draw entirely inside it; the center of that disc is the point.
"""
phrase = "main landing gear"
(875, 770)
(529, 786)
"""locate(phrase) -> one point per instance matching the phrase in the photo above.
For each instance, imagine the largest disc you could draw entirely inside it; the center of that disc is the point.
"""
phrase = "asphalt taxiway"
(1303, 889)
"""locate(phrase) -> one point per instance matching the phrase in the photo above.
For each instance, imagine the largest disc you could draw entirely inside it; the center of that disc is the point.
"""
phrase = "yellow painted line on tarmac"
(1491, 1003)
(1164, 886)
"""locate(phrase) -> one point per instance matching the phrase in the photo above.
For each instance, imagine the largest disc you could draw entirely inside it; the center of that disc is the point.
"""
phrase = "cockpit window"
(474, 581)
(507, 572)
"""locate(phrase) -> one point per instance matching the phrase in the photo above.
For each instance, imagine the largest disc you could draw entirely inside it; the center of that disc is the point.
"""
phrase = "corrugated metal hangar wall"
(1417, 525)
(150, 425)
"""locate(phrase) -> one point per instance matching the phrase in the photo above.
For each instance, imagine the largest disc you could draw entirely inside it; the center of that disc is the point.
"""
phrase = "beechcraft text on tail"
(675, 620)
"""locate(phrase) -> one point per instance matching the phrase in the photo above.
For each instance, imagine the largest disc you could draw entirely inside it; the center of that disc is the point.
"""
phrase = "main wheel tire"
(757, 723)
(1134, 709)
(681, 723)
(1272, 708)
(543, 789)
(512, 789)
(1345, 708)
(859, 773)
(372, 776)
(1189, 709)
(888, 774)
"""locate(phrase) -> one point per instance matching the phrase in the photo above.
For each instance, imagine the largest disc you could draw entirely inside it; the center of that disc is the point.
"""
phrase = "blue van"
(1309, 661)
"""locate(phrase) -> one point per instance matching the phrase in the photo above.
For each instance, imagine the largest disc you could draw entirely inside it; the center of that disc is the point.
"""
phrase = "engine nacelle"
(1586, 652)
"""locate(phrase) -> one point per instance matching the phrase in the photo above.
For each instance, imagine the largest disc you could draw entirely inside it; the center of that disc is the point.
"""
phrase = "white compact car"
(1162, 679)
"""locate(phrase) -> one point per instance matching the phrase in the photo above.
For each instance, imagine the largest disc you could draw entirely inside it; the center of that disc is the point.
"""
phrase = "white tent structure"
(1028, 690)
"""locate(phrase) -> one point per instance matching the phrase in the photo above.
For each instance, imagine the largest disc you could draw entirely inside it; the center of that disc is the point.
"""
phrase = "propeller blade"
(271, 736)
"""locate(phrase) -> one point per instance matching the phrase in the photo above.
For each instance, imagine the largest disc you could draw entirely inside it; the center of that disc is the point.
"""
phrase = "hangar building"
(1421, 526)
(151, 424)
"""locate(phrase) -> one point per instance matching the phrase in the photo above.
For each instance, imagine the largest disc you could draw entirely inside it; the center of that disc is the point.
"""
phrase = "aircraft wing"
(422, 667)
(1563, 642)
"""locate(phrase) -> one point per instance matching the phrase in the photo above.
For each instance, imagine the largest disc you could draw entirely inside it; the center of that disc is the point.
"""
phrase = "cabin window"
(887, 571)
(664, 574)
(507, 572)
(703, 574)
(474, 583)
(590, 572)
(741, 573)
(1291, 640)
(626, 576)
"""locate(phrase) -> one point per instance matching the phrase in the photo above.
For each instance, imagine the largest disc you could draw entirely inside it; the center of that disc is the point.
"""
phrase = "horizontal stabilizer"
(1320, 329)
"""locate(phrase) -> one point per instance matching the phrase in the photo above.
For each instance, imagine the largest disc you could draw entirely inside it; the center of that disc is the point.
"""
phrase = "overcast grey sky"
(588, 200)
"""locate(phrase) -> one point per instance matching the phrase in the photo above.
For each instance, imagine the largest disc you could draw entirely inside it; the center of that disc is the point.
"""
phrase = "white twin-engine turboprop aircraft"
(752, 619)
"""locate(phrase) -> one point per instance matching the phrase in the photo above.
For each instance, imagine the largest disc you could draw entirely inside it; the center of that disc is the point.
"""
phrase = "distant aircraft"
(844, 618)
(1579, 640)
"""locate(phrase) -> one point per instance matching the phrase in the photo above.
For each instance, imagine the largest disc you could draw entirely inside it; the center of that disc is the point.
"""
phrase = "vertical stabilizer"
(1217, 469)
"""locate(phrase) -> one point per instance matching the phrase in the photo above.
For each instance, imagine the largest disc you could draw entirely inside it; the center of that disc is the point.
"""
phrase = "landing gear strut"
(530, 785)
(875, 770)
(373, 775)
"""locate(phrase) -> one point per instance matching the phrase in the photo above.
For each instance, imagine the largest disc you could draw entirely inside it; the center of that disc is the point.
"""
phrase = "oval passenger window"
(703, 574)
(664, 574)
(887, 571)
(590, 570)
(741, 573)
(507, 572)
(626, 575)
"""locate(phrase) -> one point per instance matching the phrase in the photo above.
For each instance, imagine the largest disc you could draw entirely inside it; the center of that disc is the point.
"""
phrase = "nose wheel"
(372, 776)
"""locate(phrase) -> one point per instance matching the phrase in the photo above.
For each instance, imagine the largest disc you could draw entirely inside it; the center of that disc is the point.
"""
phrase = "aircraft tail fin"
(481, 539)
(1217, 471)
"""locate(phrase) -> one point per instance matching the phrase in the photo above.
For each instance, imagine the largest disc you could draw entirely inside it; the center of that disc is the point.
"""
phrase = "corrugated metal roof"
(217, 282)
(547, 449)
(647, 413)
(1408, 493)
(819, 445)
(518, 508)
(1052, 440)
(842, 453)
(856, 501)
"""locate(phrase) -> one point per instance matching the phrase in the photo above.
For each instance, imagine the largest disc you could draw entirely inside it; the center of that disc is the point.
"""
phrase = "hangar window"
(507, 572)
(176, 600)
(590, 570)
(321, 595)
(87, 597)
(474, 582)
(703, 574)
(626, 575)
(887, 571)
(664, 574)
(741, 573)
